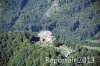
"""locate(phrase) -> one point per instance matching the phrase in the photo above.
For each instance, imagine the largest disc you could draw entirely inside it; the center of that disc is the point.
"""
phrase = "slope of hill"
(70, 20)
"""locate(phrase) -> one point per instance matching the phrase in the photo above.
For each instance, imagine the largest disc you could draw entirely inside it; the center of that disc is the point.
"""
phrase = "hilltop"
(16, 49)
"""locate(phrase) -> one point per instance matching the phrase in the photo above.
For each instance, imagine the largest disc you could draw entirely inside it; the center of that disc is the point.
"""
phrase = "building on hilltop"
(46, 36)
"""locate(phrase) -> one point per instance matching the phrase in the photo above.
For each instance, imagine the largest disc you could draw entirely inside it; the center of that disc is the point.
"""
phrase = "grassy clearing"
(94, 48)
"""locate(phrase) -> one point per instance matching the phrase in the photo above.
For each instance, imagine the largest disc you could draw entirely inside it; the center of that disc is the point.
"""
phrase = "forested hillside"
(17, 50)
(75, 25)
(70, 20)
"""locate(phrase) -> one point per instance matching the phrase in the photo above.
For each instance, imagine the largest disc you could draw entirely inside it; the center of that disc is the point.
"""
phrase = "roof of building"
(45, 34)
